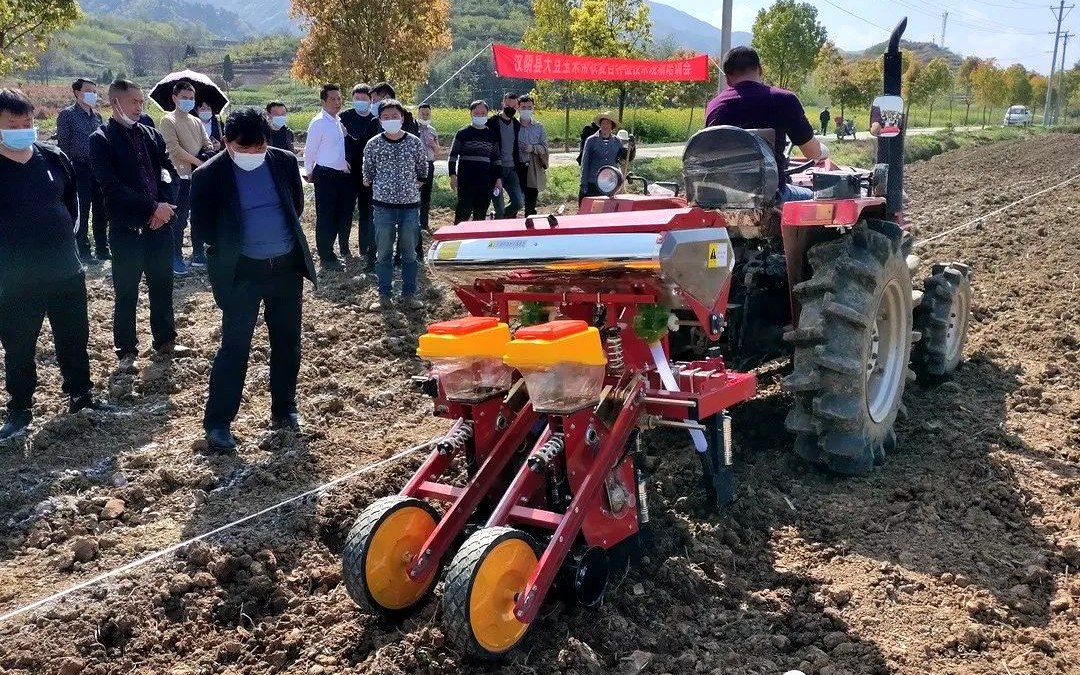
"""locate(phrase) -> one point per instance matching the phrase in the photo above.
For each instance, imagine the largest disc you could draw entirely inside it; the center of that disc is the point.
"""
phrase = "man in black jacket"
(356, 120)
(246, 204)
(40, 272)
(507, 129)
(132, 167)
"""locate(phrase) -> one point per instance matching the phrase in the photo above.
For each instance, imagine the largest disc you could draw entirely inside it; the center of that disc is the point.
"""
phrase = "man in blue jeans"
(749, 103)
(395, 166)
(508, 130)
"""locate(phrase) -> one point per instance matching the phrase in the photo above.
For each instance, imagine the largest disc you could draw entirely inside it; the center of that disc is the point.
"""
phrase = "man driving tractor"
(749, 103)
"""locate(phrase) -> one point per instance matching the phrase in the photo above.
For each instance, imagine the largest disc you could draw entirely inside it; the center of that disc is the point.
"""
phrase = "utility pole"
(944, 22)
(725, 29)
(1061, 77)
(725, 36)
(1059, 14)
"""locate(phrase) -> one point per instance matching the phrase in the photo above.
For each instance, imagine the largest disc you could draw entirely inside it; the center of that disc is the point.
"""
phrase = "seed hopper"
(644, 311)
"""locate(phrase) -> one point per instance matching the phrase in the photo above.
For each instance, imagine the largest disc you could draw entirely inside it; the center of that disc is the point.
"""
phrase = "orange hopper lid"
(553, 330)
(469, 324)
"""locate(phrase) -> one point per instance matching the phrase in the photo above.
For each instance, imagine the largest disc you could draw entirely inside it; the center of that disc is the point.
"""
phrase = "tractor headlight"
(609, 180)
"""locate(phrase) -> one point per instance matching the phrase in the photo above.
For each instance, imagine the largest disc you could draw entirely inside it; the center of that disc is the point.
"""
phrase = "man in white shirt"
(325, 166)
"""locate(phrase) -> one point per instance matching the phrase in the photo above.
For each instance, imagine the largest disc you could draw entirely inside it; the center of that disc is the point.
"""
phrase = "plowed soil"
(961, 555)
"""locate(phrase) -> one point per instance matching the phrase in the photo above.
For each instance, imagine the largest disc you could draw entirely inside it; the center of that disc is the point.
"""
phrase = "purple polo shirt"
(753, 105)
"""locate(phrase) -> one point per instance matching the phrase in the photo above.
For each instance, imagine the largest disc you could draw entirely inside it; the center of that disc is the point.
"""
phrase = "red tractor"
(587, 331)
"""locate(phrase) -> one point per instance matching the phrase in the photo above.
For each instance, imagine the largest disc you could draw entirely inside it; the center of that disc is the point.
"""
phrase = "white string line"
(946, 233)
(371, 467)
(458, 72)
(175, 547)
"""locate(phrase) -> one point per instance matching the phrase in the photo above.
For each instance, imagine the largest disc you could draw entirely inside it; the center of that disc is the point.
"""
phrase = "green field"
(668, 125)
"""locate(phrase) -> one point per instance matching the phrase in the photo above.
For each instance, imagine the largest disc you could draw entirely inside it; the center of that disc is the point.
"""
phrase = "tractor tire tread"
(929, 358)
(829, 417)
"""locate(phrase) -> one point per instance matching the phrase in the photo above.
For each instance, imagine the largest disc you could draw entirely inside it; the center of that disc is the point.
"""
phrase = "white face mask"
(479, 121)
(120, 116)
(391, 126)
(249, 161)
(526, 115)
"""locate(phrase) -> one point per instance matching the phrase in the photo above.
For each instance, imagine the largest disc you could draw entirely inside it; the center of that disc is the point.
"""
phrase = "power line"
(850, 13)
(974, 22)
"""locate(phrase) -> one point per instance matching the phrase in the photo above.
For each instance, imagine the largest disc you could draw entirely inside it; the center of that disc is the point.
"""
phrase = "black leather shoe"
(220, 440)
(87, 402)
(17, 421)
(291, 422)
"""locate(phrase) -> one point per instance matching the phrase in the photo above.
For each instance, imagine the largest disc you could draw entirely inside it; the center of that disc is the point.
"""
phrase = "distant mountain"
(265, 16)
(686, 31)
(217, 21)
(924, 51)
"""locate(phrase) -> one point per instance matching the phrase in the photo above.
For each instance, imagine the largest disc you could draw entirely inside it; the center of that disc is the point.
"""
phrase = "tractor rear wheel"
(489, 572)
(852, 349)
(942, 318)
(380, 547)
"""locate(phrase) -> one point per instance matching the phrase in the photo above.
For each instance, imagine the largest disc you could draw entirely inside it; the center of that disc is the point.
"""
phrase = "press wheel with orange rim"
(486, 577)
(378, 550)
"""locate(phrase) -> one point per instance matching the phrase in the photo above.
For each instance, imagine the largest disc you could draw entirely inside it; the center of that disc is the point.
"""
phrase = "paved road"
(662, 150)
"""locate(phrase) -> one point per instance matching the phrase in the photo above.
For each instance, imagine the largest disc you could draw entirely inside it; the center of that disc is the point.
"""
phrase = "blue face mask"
(362, 107)
(89, 98)
(18, 139)
(279, 121)
(375, 105)
(186, 104)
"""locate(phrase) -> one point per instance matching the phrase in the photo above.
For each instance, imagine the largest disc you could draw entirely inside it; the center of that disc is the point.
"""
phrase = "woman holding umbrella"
(183, 95)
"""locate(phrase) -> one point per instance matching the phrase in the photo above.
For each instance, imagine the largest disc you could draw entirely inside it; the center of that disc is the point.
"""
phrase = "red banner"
(523, 64)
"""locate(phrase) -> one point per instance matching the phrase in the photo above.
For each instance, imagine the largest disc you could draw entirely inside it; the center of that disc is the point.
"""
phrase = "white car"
(1017, 116)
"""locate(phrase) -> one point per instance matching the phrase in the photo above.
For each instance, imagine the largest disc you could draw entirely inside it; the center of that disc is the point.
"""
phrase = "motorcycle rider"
(749, 103)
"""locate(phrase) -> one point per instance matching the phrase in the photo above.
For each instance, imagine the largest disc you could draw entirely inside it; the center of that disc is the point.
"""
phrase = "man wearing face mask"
(188, 147)
(508, 130)
(356, 120)
(474, 165)
(430, 137)
(132, 166)
(280, 136)
(246, 204)
(40, 274)
(74, 125)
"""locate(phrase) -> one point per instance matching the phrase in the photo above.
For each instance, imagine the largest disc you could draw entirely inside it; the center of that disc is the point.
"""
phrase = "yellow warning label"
(448, 251)
(715, 256)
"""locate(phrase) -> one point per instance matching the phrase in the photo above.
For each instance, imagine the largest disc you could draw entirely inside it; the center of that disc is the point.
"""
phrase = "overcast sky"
(1012, 31)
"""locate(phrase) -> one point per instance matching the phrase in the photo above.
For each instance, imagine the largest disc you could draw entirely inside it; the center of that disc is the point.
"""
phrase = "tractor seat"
(727, 167)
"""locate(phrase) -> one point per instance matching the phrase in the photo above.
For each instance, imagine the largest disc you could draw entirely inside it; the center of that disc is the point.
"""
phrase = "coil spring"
(456, 439)
(614, 348)
(547, 452)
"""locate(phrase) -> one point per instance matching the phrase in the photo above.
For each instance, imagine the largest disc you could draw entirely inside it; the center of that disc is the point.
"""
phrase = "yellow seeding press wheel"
(482, 587)
(386, 536)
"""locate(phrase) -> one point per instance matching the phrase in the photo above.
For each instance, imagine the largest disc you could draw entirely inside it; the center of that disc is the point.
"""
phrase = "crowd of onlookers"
(137, 186)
